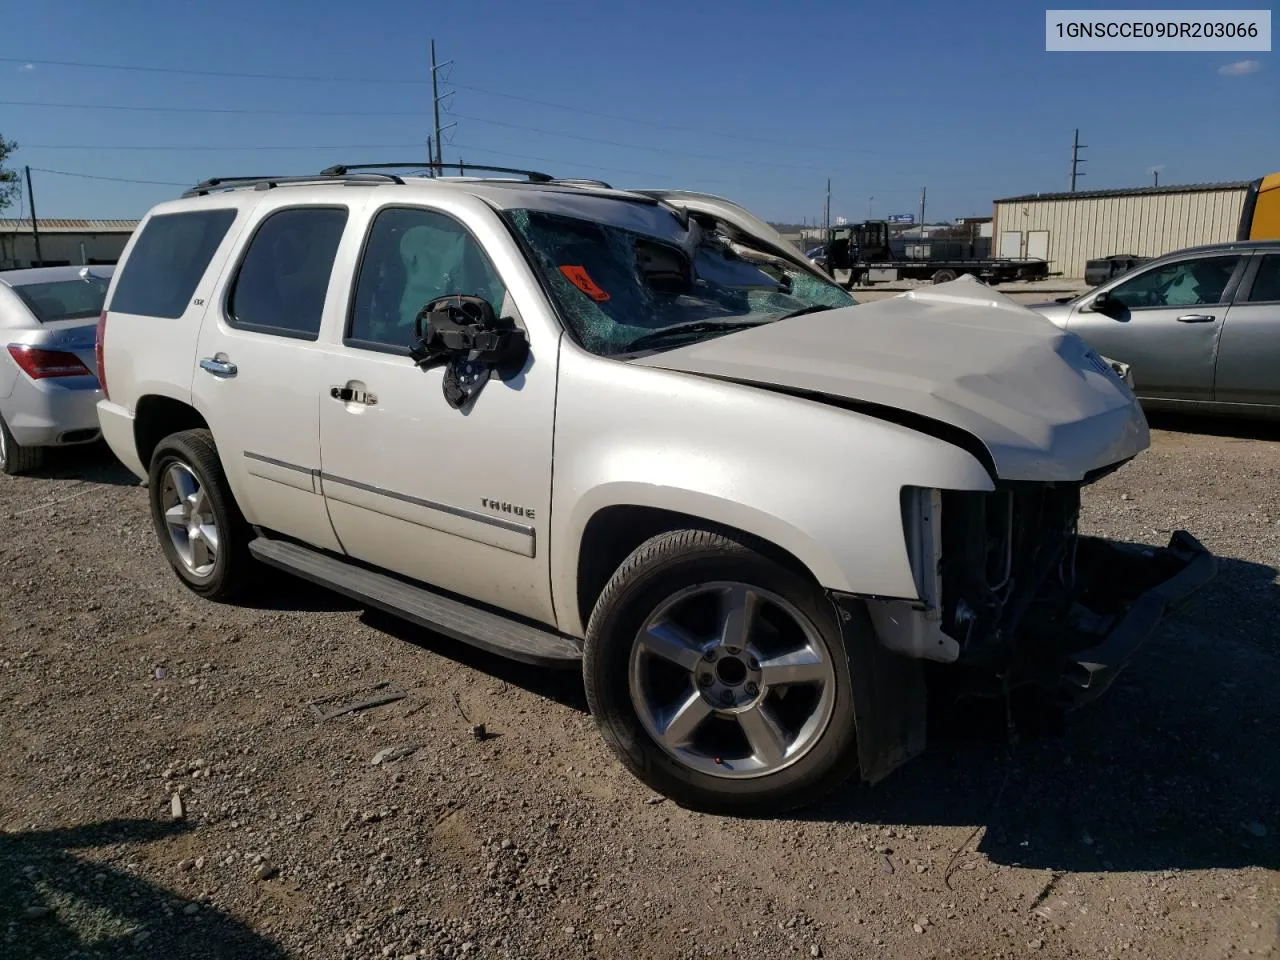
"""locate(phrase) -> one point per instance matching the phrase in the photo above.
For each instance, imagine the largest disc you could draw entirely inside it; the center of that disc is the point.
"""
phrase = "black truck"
(860, 254)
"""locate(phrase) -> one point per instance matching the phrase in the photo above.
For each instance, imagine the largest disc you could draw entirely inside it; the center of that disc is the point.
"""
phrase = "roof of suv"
(588, 199)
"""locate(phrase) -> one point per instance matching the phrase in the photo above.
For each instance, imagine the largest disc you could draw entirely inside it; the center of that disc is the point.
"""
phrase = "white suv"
(639, 432)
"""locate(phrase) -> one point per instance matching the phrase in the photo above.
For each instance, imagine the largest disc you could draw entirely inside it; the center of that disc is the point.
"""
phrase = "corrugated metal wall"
(1144, 224)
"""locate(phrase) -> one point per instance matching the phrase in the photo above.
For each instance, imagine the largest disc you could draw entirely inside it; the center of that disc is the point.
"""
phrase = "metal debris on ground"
(373, 699)
(478, 731)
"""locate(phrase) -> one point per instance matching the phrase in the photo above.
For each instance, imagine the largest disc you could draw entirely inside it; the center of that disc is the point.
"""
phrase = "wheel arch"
(608, 532)
(155, 417)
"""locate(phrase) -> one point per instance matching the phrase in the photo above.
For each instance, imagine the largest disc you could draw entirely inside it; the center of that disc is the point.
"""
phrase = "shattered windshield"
(620, 291)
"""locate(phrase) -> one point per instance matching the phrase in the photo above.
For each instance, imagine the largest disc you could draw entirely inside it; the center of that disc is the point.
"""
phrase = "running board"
(458, 619)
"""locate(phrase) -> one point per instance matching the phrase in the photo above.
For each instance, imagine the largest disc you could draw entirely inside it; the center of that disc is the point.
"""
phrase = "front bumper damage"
(1028, 602)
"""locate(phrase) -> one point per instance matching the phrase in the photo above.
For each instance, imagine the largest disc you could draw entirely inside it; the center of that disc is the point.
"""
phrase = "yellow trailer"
(1260, 217)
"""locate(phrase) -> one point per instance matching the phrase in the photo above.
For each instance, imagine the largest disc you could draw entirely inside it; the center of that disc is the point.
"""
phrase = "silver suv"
(635, 432)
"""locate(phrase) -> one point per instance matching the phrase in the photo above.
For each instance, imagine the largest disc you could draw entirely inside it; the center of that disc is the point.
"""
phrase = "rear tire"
(944, 276)
(202, 533)
(16, 459)
(757, 736)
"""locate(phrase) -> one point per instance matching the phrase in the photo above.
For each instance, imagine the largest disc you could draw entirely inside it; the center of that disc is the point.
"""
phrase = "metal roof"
(1130, 191)
(70, 226)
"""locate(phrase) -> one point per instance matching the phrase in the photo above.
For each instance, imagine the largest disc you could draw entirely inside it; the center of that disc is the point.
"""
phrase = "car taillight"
(98, 339)
(42, 364)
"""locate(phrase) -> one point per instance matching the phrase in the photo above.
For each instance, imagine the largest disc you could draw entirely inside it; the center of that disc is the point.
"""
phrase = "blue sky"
(750, 100)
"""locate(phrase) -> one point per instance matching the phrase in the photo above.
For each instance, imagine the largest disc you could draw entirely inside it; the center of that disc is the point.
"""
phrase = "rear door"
(259, 378)
(1249, 353)
(1165, 324)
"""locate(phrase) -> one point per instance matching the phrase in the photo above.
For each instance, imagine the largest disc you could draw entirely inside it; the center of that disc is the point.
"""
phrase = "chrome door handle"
(1197, 318)
(353, 395)
(219, 368)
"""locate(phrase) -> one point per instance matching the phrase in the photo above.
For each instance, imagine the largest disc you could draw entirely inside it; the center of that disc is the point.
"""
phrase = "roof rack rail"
(341, 169)
(205, 187)
(583, 182)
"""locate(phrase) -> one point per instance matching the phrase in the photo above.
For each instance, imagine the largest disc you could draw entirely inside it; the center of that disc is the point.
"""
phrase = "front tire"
(15, 459)
(202, 533)
(719, 678)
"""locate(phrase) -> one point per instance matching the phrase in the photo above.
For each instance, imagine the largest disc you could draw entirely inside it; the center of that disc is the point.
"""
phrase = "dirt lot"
(1148, 828)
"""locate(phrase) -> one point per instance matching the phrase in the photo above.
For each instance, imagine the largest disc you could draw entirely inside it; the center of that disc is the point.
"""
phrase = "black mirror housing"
(467, 328)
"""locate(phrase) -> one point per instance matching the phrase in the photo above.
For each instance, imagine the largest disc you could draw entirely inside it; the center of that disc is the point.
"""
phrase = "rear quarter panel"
(157, 355)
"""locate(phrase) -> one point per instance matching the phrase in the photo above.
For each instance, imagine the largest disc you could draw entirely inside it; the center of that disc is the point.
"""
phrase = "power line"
(409, 113)
(223, 110)
(94, 176)
(212, 73)
(221, 147)
(413, 81)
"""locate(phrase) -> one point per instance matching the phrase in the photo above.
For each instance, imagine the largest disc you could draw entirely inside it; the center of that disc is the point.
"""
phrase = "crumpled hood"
(1041, 402)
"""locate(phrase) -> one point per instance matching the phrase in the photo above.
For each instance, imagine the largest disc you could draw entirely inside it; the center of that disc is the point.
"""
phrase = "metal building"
(63, 242)
(1069, 229)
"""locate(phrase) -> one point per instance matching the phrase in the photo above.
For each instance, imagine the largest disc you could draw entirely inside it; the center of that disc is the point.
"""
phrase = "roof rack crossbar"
(534, 176)
(205, 187)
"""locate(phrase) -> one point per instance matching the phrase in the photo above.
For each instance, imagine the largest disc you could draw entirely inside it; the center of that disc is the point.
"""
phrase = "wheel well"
(156, 417)
(614, 532)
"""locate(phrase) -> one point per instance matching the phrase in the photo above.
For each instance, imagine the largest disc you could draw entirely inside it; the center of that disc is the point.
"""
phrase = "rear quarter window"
(64, 299)
(167, 261)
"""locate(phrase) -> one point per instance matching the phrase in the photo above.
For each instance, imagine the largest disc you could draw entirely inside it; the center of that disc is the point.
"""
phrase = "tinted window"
(411, 258)
(282, 280)
(168, 260)
(1266, 285)
(65, 299)
(1183, 284)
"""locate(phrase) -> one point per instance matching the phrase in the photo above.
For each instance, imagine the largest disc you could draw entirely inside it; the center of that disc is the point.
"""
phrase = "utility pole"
(922, 189)
(870, 200)
(431, 157)
(35, 226)
(1076, 147)
(827, 215)
(1156, 174)
(435, 103)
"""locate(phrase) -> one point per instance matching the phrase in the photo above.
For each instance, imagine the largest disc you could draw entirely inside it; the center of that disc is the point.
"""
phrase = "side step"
(467, 622)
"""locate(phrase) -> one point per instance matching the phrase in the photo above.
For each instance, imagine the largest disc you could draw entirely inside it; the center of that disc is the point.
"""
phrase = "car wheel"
(16, 459)
(943, 276)
(203, 535)
(718, 676)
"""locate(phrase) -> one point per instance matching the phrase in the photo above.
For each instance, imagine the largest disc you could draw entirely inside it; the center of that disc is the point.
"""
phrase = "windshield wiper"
(816, 308)
(695, 326)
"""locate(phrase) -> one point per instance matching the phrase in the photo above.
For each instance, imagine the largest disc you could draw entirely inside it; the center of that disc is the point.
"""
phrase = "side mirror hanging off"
(463, 333)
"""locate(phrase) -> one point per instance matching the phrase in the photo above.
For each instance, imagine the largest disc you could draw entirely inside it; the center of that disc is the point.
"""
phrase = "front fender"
(823, 484)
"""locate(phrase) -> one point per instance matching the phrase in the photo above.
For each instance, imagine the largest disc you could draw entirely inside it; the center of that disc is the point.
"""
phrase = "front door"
(456, 498)
(259, 371)
(1165, 323)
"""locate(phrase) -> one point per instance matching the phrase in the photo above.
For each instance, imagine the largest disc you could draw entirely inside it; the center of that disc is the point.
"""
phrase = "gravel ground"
(1147, 828)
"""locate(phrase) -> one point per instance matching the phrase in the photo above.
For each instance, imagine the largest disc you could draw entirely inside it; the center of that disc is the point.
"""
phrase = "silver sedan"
(1199, 328)
(48, 388)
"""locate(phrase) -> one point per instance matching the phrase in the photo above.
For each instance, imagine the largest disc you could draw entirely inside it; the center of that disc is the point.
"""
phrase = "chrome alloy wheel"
(731, 680)
(188, 514)
(4, 449)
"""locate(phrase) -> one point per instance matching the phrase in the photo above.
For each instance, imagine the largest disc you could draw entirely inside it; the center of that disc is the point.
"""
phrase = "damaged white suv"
(639, 432)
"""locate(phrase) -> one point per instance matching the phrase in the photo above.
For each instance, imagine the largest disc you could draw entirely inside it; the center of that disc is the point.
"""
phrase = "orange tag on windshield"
(579, 277)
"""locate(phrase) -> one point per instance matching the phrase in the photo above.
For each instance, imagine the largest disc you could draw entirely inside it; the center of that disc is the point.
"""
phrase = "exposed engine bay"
(1022, 597)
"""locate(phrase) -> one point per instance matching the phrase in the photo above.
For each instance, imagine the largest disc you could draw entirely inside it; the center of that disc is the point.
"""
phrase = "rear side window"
(281, 284)
(1266, 285)
(168, 260)
(64, 299)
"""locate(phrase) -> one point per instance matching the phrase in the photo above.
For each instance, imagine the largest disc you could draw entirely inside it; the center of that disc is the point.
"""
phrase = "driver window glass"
(1188, 283)
(411, 258)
